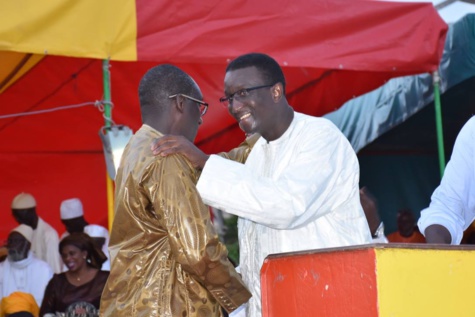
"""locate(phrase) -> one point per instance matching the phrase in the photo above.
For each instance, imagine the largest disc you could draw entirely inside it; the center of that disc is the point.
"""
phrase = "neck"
(282, 123)
(34, 223)
(80, 274)
(159, 124)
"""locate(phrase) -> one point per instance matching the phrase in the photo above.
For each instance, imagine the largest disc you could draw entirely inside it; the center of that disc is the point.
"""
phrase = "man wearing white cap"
(22, 271)
(100, 235)
(72, 217)
(45, 240)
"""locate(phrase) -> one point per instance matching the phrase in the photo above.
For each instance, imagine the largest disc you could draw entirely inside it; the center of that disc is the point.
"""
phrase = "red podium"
(389, 280)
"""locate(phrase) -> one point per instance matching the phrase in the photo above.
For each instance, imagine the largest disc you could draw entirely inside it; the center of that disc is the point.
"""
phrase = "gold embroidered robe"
(166, 257)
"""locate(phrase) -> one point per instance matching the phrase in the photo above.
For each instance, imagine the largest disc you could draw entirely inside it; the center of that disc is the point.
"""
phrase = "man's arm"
(192, 237)
(370, 208)
(437, 234)
(452, 207)
(173, 144)
(316, 172)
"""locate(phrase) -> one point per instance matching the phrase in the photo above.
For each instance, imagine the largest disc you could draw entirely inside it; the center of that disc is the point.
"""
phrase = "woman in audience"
(79, 289)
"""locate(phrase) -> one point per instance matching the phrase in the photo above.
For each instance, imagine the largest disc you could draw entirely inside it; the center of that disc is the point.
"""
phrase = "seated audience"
(22, 271)
(72, 217)
(44, 243)
(79, 288)
(407, 229)
(100, 235)
(19, 304)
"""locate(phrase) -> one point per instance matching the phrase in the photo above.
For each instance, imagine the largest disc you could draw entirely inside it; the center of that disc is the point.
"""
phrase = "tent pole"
(108, 120)
(438, 121)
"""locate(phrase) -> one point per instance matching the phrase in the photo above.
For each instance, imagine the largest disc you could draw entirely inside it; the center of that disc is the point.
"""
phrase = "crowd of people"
(293, 183)
(44, 275)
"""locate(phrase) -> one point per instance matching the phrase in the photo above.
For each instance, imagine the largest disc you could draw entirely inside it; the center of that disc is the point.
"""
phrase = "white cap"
(71, 208)
(25, 231)
(96, 231)
(23, 201)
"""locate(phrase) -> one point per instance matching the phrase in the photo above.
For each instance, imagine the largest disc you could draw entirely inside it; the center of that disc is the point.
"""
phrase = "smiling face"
(255, 112)
(73, 257)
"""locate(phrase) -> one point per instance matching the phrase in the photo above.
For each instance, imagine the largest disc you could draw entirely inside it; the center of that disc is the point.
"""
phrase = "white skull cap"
(23, 201)
(71, 208)
(96, 231)
(25, 231)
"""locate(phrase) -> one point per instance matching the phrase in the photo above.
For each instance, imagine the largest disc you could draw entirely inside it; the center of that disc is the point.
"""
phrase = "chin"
(248, 129)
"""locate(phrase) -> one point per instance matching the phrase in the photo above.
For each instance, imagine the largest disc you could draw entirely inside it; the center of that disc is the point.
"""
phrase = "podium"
(374, 280)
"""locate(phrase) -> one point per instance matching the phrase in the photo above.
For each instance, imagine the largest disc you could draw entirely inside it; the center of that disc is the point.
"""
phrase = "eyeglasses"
(201, 104)
(240, 95)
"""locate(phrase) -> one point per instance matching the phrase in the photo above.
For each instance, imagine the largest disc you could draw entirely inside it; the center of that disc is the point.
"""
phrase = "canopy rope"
(99, 104)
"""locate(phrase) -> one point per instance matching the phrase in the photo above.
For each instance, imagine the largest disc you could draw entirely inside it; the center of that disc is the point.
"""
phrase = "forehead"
(70, 247)
(405, 216)
(22, 212)
(71, 220)
(243, 78)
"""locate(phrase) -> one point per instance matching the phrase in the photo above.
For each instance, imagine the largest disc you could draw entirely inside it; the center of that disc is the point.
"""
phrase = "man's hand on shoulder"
(177, 144)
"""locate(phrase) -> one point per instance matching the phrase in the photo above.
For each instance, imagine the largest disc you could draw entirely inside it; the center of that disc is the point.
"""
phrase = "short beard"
(17, 255)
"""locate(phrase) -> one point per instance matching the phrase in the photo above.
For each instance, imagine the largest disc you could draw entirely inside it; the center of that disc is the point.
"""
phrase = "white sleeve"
(321, 174)
(453, 202)
(239, 312)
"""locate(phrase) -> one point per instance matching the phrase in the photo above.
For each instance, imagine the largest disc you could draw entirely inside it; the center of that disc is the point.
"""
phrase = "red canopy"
(330, 51)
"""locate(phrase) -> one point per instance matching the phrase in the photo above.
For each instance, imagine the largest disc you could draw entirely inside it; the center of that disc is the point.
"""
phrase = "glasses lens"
(204, 109)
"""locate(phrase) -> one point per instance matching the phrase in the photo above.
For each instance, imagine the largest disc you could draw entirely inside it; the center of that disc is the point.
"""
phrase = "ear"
(277, 92)
(180, 103)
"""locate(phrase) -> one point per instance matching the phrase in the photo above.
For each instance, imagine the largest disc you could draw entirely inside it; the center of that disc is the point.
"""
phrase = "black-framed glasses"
(201, 104)
(240, 95)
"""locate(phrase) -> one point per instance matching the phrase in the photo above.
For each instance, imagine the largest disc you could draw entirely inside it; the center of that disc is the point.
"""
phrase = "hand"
(177, 144)
(370, 208)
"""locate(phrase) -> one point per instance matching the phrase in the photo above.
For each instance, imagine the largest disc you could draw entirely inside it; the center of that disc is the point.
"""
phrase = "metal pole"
(438, 122)
(108, 120)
